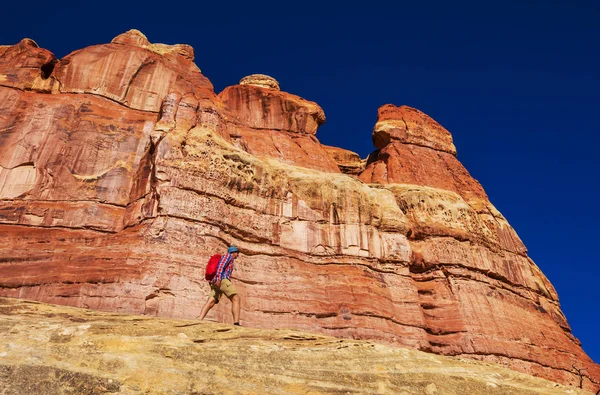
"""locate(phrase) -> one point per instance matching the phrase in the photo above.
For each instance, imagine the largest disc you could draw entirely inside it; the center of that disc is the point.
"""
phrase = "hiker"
(221, 284)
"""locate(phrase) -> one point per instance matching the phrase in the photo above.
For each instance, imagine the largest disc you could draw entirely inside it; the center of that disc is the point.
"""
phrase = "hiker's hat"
(232, 249)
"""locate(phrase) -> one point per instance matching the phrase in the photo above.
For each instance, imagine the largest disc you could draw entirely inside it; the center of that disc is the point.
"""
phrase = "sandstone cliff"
(121, 172)
(50, 349)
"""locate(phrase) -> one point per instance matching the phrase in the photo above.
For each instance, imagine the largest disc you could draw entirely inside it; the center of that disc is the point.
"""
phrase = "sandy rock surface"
(53, 349)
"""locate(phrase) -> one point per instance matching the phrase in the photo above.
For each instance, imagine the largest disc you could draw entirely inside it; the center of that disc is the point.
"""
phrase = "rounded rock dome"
(260, 80)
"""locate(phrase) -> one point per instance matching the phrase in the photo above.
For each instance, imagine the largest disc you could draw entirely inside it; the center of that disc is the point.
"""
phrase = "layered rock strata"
(121, 172)
(266, 122)
(348, 162)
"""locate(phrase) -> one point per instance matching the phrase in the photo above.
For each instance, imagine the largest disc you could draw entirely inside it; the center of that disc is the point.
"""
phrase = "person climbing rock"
(221, 284)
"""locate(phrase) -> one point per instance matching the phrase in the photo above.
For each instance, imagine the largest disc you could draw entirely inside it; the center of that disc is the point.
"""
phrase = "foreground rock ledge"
(54, 349)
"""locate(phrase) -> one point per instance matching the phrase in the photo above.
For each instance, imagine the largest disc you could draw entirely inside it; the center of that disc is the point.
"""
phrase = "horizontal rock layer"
(121, 172)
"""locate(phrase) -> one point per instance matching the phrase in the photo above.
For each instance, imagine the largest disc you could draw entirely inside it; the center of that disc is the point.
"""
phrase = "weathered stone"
(400, 163)
(54, 148)
(133, 72)
(260, 108)
(117, 187)
(409, 125)
(26, 66)
(85, 352)
(260, 80)
(136, 38)
(349, 162)
(269, 123)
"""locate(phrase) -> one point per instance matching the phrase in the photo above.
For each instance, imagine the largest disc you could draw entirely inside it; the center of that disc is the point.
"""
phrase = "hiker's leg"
(235, 308)
(229, 290)
(207, 306)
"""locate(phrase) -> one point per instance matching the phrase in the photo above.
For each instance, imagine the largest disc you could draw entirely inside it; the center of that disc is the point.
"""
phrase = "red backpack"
(211, 267)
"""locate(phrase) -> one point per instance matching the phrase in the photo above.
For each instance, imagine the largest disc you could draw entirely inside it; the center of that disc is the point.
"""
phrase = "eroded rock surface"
(52, 349)
(348, 162)
(269, 123)
(260, 80)
(121, 172)
(408, 125)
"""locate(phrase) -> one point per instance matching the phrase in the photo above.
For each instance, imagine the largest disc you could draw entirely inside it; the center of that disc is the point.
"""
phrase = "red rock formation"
(26, 66)
(121, 172)
(348, 162)
(415, 149)
(133, 72)
(266, 122)
(409, 125)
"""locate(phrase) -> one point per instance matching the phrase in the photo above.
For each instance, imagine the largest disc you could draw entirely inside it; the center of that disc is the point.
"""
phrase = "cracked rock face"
(122, 172)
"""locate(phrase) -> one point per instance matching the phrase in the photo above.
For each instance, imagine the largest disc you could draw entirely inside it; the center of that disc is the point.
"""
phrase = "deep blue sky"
(517, 83)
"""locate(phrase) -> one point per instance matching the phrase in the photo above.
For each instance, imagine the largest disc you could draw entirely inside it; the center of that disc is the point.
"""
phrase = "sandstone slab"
(55, 349)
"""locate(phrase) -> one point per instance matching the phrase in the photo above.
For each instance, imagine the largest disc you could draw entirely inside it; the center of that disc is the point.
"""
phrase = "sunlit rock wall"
(121, 172)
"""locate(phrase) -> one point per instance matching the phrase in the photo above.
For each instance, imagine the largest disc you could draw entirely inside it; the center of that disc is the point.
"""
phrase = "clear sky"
(517, 83)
